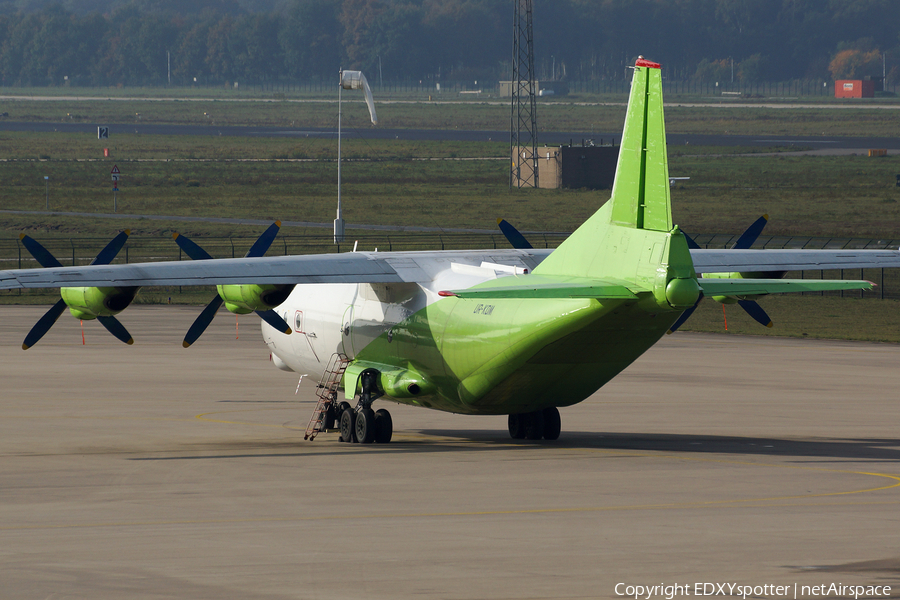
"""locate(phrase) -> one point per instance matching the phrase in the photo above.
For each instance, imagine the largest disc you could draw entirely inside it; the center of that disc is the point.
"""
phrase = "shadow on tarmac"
(434, 441)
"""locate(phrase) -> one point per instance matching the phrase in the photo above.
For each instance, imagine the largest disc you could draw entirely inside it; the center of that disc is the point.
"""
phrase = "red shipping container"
(854, 88)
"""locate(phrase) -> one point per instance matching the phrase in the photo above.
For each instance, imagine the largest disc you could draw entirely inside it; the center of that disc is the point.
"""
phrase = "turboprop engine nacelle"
(247, 298)
(92, 302)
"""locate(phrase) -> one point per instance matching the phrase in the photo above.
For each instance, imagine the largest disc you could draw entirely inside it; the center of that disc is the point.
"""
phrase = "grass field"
(846, 196)
(806, 316)
(833, 196)
(591, 114)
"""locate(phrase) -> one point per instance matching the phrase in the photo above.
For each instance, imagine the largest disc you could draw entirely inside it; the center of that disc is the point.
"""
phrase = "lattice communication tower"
(523, 113)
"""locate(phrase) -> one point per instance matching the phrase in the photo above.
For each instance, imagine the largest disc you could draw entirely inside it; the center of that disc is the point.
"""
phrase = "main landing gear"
(362, 424)
(540, 424)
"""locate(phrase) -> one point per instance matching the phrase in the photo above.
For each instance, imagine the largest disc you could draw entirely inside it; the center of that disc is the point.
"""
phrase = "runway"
(817, 143)
(154, 471)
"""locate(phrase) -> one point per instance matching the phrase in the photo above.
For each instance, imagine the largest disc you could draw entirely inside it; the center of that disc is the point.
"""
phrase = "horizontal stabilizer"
(755, 287)
(551, 287)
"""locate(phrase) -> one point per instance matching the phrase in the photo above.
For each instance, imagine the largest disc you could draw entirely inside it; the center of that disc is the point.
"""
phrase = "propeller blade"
(40, 254)
(755, 310)
(685, 316)
(44, 324)
(749, 236)
(107, 255)
(512, 234)
(194, 251)
(113, 326)
(263, 242)
(202, 321)
(271, 317)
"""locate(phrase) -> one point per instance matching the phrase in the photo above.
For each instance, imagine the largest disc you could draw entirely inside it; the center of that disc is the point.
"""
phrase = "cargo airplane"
(519, 332)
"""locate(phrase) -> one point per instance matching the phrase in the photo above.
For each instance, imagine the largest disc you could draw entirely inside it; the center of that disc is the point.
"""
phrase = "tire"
(384, 426)
(534, 425)
(348, 426)
(552, 423)
(365, 426)
(341, 408)
(516, 427)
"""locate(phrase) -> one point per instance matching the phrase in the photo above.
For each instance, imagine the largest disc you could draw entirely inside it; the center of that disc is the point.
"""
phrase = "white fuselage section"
(346, 317)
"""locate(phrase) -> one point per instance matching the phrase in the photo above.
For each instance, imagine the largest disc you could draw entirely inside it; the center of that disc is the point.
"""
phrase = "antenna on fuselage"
(350, 80)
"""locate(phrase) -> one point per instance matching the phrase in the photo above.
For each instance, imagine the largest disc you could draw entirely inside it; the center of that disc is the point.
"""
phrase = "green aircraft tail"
(640, 194)
(631, 240)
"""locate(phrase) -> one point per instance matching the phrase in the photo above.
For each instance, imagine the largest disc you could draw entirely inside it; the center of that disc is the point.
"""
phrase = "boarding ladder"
(327, 391)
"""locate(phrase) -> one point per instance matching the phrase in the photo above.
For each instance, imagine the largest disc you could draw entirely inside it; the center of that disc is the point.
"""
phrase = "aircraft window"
(298, 325)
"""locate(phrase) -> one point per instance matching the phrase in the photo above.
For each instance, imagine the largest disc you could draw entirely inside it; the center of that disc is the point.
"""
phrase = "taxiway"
(155, 471)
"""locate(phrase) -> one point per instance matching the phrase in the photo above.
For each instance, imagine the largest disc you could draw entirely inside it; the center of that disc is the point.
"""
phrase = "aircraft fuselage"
(471, 356)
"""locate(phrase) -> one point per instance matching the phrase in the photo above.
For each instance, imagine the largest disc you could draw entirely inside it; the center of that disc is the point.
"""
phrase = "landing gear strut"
(362, 424)
(535, 425)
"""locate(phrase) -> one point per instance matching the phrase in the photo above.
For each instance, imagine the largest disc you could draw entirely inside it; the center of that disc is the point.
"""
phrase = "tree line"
(154, 42)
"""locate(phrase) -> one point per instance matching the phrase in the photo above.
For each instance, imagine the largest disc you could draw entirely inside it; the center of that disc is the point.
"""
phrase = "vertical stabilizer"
(631, 238)
(640, 195)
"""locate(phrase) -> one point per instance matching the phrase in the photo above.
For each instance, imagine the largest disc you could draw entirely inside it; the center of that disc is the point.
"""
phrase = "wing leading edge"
(349, 267)
(328, 268)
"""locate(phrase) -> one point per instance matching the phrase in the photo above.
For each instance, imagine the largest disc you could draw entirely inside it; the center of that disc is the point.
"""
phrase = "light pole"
(47, 187)
(350, 80)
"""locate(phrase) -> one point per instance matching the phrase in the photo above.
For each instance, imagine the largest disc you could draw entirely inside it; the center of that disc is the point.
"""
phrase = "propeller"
(113, 326)
(44, 324)
(512, 234)
(195, 252)
(47, 260)
(751, 307)
(749, 236)
(685, 315)
(202, 321)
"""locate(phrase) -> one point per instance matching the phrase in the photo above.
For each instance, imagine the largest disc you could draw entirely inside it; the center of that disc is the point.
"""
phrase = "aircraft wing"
(396, 267)
(725, 261)
(348, 267)
(327, 268)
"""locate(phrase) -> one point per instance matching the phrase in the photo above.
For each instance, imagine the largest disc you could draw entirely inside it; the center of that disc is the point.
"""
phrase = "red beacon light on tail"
(643, 62)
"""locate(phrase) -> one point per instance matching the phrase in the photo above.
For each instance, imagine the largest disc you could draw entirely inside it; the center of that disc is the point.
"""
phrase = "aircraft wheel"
(534, 425)
(365, 426)
(348, 422)
(342, 407)
(516, 426)
(552, 423)
(384, 426)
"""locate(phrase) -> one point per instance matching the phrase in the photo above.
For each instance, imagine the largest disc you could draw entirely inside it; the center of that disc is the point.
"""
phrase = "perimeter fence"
(450, 89)
(81, 251)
